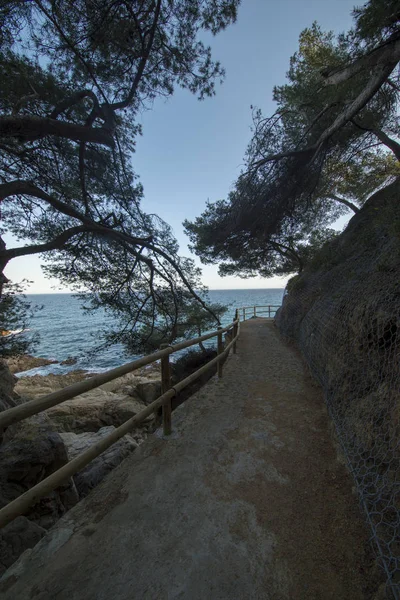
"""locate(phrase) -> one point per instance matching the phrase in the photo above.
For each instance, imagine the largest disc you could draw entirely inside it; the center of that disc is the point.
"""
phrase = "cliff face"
(343, 313)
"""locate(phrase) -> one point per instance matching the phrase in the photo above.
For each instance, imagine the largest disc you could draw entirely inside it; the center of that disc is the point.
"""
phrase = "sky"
(192, 151)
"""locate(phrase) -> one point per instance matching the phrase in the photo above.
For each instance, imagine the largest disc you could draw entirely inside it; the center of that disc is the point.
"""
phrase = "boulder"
(119, 409)
(15, 538)
(110, 404)
(34, 448)
(69, 361)
(139, 384)
(121, 385)
(91, 475)
(40, 385)
(147, 390)
(94, 410)
(7, 383)
(83, 413)
(31, 451)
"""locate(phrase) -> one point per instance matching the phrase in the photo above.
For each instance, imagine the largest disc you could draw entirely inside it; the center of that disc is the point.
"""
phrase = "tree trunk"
(349, 204)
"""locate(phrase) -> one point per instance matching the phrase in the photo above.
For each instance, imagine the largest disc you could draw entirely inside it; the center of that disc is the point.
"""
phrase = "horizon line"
(210, 290)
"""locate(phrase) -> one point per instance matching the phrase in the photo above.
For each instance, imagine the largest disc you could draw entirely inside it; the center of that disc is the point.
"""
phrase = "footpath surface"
(246, 500)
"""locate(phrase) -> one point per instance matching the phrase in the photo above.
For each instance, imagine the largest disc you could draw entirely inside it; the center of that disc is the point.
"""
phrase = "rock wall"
(343, 313)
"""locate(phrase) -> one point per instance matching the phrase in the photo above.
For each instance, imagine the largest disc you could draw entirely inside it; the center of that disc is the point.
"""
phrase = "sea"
(67, 331)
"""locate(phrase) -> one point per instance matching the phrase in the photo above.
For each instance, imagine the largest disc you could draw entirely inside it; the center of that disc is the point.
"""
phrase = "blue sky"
(192, 151)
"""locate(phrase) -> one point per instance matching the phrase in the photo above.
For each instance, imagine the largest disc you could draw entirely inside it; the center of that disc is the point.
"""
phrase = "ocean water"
(67, 331)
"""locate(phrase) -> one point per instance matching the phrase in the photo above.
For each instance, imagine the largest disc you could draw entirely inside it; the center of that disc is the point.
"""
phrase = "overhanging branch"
(142, 63)
(29, 128)
(347, 203)
(72, 100)
(55, 244)
(383, 54)
(27, 188)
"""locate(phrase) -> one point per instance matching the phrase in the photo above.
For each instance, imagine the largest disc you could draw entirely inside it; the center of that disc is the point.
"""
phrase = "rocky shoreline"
(25, 362)
(39, 445)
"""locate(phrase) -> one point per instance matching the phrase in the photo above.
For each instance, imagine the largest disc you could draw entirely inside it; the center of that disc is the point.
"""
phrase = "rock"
(343, 312)
(93, 410)
(119, 409)
(30, 452)
(7, 379)
(83, 413)
(34, 448)
(39, 445)
(110, 404)
(41, 385)
(91, 475)
(15, 538)
(69, 361)
(135, 384)
(25, 362)
(123, 384)
(147, 390)
(7, 383)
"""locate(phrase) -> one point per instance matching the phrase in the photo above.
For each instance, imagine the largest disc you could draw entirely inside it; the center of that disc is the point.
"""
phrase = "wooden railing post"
(235, 330)
(269, 311)
(255, 311)
(165, 386)
(220, 349)
(244, 314)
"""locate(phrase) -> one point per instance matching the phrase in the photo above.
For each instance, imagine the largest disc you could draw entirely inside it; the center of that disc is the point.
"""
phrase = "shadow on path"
(246, 500)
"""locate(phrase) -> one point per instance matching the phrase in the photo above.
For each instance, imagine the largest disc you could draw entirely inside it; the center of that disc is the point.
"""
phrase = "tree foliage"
(78, 73)
(194, 321)
(331, 142)
(15, 315)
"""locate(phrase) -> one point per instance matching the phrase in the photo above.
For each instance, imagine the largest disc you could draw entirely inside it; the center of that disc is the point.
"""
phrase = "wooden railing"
(13, 415)
(248, 312)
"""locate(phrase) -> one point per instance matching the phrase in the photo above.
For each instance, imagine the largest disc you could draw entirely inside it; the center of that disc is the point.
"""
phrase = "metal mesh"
(348, 329)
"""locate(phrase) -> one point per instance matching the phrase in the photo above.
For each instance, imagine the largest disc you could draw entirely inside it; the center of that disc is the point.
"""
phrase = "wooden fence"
(269, 310)
(168, 391)
(13, 415)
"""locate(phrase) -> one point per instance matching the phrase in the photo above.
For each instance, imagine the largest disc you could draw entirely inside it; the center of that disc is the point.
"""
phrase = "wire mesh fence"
(364, 403)
(348, 328)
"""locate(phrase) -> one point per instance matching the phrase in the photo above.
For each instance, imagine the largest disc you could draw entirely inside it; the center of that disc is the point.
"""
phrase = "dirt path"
(246, 500)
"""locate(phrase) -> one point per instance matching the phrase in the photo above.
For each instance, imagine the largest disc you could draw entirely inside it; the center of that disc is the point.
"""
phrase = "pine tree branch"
(29, 128)
(142, 64)
(347, 203)
(382, 54)
(55, 244)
